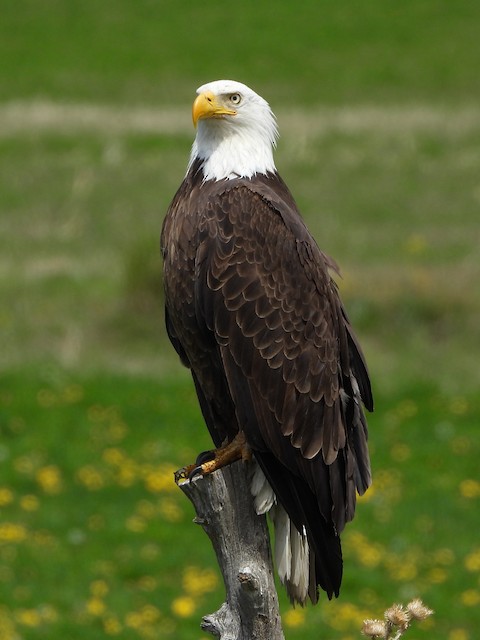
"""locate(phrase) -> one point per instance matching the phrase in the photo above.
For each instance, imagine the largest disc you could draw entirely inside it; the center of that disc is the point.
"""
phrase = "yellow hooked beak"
(207, 105)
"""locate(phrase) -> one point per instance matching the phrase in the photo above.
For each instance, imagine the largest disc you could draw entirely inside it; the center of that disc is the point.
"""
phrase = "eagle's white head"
(236, 131)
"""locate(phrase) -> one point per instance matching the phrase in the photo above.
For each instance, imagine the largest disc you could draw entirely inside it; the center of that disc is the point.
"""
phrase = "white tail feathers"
(291, 546)
(291, 555)
(262, 492)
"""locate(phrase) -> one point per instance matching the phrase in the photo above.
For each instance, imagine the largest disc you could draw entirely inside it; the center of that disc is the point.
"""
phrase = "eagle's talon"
(205, 456)
(209, 461)
(196, 471)
(180, 474)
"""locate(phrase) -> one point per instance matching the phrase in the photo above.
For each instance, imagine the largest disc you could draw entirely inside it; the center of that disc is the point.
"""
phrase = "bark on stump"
(240, 538)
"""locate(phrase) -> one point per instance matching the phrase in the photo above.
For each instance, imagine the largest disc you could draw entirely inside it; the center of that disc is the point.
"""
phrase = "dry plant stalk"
(397, 620)
(241, 542)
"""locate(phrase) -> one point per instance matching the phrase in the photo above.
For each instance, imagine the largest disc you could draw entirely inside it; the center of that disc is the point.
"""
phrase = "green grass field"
(377, 107)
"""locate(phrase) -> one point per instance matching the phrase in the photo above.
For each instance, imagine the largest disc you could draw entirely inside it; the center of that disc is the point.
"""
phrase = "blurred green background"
(378, 109)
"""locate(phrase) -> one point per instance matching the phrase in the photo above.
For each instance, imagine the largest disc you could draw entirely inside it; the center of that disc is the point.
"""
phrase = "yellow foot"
(210, 461)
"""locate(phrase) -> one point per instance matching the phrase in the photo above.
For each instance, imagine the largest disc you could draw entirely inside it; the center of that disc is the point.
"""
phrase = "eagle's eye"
(235, 99)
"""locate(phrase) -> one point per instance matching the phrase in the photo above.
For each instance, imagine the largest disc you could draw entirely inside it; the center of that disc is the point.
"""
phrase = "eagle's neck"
(227, 151)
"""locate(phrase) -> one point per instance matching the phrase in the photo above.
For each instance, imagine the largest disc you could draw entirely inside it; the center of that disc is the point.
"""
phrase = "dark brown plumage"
(252, 310)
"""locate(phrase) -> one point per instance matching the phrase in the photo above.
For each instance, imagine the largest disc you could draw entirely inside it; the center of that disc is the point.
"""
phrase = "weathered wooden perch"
(241, 541)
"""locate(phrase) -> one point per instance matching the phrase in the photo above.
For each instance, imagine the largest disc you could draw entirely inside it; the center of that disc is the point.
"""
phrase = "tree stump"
(240, 538)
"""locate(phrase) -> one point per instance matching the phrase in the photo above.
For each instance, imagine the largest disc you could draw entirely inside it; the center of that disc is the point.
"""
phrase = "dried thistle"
(374, 628)
(397, 620)
(397, 616)
(418, 610)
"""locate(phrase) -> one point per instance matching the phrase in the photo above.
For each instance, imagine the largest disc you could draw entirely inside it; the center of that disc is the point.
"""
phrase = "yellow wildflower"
(90, 477)
(370, 555)
(472, 561)
(133, 620)
(29, 503)
(28, 617)
(197, 581)
(6, 496)
(347, 616)
(470, 488)
(99, 588)
(114, 456)
(136, 524)
(401, 568)
(8, 628)
(49, 478)
(117, 431)
(48, 613)
(112, 626)
(146, 509)
(126, 473)
(183, 607)
(294, 618)
(25, 464)
(444, 556)
(150, 551)
(470, 598)
(12, 532)
(149, 614)
(160, 479)
(437, 575)
(95, 606)
(170, 510)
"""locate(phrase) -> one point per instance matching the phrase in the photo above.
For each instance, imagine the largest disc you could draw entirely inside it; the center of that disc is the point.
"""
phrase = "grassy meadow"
(380, 143)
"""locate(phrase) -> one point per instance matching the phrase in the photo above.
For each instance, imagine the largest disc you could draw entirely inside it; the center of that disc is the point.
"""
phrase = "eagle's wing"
(293, 366)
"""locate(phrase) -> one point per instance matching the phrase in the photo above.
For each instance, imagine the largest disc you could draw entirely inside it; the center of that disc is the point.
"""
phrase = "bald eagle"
(252, 310)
